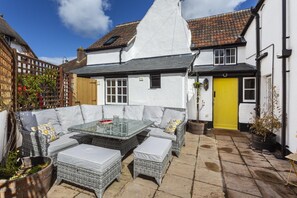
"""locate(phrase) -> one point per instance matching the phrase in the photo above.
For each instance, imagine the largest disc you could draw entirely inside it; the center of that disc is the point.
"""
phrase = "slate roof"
(143, 65)
(217, 30)
(209, 69)
(74, 64)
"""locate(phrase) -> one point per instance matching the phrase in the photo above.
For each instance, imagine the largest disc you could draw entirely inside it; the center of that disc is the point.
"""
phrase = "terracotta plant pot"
(196, 127)
(35, 185)
(259, 143)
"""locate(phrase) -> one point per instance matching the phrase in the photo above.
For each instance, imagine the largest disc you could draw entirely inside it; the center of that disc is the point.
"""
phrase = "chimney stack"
(80, 54)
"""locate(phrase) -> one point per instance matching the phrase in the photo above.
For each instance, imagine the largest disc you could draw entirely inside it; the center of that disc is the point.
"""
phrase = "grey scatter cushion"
(110, 110)
(133, 112)
(92, 113)
(48, 116)
(69, 116)
(28, 120)
(154, 114)
(171, 114)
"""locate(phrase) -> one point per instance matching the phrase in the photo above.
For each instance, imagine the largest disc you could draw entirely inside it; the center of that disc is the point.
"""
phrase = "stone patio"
(219, 164)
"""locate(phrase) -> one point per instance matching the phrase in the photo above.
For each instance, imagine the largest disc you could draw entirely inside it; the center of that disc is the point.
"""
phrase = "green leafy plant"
(269, 121)
(30, 88)
(12, 165)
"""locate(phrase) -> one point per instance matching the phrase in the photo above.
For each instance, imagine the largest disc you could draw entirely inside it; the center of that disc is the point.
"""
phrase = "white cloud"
(56, 60)
(200, 8)
(86, 17)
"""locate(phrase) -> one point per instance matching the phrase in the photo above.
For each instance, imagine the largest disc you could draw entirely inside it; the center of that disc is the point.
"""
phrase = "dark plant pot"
(259, 143)
(35, 185)
(196, 128)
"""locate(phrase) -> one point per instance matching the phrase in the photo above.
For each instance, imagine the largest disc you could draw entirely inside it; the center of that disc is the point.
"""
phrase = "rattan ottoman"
(152, 158)
(89, 166)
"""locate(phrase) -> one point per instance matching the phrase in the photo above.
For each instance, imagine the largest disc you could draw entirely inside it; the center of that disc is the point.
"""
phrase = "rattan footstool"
(89, 166)
(152, 158)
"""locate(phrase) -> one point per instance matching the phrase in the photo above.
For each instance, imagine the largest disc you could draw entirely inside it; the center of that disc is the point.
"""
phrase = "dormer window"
(111, 40)
(225, 56)
(7, 39)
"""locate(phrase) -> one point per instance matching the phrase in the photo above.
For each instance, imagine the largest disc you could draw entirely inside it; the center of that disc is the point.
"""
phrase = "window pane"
(124, 83)
(233, 52)
(108, 99)
(119, 91)
(216, 60)
(228, 60)
(216, 52)
(108, 83)
(221, 52)
(113, 90)
(113, 83)
(119, 83)
(119, 99)
(249, 94)
(155, 80)
(228, 52)
(232, 59)
(221, 60)
(108, 91)
(124, 90)
(113, 99)
(249, 83)
(124, 99)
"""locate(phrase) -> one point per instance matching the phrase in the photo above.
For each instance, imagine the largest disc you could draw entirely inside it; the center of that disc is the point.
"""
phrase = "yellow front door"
(226, 103)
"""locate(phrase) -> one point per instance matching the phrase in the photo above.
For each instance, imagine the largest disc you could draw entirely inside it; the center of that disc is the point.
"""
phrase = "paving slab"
(269, 189)
(231, 158)
(176, 185)
(242, 184)
(61, 192)
(146, 181)
(160, 194)
(237, 169)
(280, 165)
(188, 150)
(83, 195)
(209, 146)
(182, 170)
(135, 190)
(201, 163)
(185, 159)
(241, 139)
(257, 161)
(114, 189)
(208, 153)
(250, 152)
(223, 137)
(228, 149)
(209, 176)
(284, 175)
(191, 137)
(236, 194)
(265, 174)
(207, 190)
(242, 145)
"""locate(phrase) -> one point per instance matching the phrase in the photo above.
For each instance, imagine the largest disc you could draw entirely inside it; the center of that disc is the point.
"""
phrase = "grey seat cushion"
(153, 149)
(110, 110)
(92, 112)
(69, 116)
(64, 142)
(90, 157)
(170, 114)
(31, 119)
(134, 112)
(154, 114)
(157, 132)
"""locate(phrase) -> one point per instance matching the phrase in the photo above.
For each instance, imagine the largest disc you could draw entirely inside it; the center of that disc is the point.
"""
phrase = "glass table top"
(122, 129)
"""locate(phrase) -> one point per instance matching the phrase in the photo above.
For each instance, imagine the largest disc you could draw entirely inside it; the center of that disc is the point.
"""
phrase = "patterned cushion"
(171, 126)
(46, 129)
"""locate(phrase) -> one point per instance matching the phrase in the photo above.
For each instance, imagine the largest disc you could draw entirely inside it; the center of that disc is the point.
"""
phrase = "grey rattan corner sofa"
(35, 144)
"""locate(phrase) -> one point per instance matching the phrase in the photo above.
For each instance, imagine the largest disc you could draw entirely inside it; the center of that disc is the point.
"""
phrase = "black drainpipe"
(258, 62)
(120, 58)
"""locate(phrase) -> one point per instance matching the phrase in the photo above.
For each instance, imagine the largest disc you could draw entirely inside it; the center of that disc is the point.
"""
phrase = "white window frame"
(224, 56)
(214, 56)
(244, 89)
(231, 63)
(116, 91)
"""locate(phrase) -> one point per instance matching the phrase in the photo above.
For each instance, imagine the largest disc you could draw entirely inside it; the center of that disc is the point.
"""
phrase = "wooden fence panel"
(6, 69)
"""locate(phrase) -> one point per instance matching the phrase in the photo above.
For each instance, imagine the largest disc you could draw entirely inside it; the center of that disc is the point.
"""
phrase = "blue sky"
(56, 28)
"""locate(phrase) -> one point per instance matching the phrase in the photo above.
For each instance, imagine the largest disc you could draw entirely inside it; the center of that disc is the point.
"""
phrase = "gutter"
(258, 62)
(120, 58)
(286, 53)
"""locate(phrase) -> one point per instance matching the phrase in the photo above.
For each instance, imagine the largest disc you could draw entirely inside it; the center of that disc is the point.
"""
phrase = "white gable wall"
(162, 31)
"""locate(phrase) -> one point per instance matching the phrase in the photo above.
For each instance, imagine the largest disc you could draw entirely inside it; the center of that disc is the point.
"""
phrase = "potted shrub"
(195, 126)
(25, 177)
(265, 126)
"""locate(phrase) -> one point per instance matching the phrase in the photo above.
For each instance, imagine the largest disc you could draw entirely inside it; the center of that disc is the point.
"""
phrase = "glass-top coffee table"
(120, 135)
